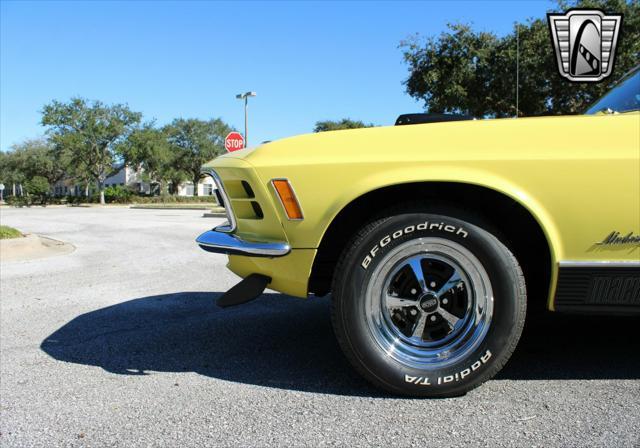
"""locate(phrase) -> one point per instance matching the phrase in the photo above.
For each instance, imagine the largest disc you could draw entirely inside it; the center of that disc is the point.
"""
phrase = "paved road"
(119, 343)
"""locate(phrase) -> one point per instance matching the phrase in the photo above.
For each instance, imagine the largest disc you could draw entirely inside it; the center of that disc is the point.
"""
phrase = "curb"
(32, 247)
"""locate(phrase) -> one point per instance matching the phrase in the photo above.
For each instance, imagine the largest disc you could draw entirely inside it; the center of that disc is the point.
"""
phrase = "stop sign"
(234, 141)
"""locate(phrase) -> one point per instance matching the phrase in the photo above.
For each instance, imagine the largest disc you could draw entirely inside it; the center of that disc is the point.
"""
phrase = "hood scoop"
(430, 118)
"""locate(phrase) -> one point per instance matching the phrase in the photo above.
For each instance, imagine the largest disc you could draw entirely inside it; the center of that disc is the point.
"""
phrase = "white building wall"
(131, 178)
(206, 187)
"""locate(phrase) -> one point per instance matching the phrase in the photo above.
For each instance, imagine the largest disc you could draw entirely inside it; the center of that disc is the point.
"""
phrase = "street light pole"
(246, 114)
(245, 96)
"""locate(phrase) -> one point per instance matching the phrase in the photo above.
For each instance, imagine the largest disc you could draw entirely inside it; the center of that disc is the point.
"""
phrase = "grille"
(238, 199)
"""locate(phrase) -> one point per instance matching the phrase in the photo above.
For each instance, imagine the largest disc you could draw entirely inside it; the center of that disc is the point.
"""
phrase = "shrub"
(55, 200)
(37, 186)
(171, 199)
(117, 194)
(18, 201)
(75, 200)
(38, 189)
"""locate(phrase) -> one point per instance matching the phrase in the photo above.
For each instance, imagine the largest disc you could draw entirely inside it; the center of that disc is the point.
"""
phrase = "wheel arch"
(518, 218)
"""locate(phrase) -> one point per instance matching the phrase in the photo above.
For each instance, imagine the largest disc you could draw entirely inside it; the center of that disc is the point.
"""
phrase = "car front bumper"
(222, 242)
(289, 274)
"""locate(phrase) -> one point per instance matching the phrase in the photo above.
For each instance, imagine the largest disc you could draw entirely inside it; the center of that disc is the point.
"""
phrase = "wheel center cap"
(429, 302)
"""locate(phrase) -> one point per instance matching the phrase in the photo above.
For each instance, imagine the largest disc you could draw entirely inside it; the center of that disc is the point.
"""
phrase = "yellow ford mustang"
(434, 239)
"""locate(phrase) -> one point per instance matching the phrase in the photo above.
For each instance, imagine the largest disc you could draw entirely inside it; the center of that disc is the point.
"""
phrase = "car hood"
(453, 140)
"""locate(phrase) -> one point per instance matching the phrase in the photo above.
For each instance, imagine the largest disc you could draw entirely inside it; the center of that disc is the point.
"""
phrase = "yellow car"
(436, 239)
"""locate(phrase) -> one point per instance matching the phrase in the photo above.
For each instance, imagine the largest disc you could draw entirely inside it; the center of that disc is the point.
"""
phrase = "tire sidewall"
(479, 364)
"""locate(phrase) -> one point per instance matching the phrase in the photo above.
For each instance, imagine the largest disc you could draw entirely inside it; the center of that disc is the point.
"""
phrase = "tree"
(30, 159)
(474, 73)
(39, 187)
(39, 158)
(195, 142)
(11, 170)
(89, 133)
(175, 177)
(345, 123)
(80, 173)
(148, 148)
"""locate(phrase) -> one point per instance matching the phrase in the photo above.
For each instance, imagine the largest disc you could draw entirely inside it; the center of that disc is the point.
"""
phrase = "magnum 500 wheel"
(427, 304)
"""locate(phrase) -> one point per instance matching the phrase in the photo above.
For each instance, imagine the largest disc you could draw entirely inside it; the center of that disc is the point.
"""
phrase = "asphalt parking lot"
(120, 343)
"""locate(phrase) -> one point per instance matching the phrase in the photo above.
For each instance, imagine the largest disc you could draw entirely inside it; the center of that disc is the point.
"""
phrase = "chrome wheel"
(429, 303)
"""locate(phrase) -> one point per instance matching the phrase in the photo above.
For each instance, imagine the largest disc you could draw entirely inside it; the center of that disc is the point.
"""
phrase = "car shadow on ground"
(284, 342)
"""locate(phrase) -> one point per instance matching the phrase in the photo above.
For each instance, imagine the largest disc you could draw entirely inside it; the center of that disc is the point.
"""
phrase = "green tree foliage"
(175, 177)
(88, 133)
(11, 171)
(37, 157)
(345, 123)
(148, 148)
(195, 142)
(463, 70)
(39, 187)
(117, 194)
(27, 160)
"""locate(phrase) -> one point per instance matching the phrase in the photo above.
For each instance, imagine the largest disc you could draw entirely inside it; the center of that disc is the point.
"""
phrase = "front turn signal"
(288, 199)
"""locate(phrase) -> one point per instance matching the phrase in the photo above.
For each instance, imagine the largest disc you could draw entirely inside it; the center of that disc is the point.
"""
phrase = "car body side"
(577, 176)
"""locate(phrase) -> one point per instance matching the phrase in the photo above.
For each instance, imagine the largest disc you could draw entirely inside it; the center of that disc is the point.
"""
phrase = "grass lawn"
(7, 232)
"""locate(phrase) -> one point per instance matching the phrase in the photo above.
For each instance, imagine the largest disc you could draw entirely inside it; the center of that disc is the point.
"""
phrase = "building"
(131, 178)
(134, 180)
(206, 187)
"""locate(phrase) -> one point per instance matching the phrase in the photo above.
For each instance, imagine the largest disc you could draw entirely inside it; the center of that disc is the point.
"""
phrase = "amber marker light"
(287, 199)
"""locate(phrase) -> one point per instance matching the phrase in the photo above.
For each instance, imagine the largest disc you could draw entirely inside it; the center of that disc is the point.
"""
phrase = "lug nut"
(433, 318)
(445, 301)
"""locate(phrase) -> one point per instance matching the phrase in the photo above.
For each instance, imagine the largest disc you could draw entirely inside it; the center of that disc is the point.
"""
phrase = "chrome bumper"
(225, 243)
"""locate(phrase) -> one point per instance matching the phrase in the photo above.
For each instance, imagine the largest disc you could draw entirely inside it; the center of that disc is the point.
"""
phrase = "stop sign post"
(234, 142)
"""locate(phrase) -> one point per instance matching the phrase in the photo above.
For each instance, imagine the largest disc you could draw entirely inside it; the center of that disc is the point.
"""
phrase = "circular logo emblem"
(429, 303)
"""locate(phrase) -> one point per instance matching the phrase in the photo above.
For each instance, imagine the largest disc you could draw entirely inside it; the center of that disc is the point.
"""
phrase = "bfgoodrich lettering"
(434, 226)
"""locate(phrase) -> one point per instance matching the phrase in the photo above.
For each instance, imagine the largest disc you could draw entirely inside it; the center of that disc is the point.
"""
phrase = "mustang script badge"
(585, 43)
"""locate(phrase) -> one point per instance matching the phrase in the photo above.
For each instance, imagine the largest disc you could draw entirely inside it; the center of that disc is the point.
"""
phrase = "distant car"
(435, 239)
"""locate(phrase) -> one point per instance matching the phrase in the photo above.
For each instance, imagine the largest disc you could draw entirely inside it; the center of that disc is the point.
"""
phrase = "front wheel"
(427, 304)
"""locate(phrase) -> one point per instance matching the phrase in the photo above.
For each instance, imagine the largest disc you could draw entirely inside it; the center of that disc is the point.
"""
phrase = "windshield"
(624, 97)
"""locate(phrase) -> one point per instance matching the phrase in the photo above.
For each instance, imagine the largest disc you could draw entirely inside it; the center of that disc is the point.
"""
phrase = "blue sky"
(307, 61)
